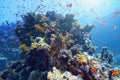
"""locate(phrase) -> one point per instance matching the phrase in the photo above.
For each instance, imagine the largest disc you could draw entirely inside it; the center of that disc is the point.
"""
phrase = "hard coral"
(58, 75)
(1, 79)
(115, 73)
(34, 46)
(63, 58)
(55, 74)
(39, 28)
(81, 58)
(66, 42)
(39, 43)
(24, 47)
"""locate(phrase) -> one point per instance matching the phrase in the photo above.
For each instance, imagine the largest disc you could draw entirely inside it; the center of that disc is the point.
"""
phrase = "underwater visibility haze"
(60, 40)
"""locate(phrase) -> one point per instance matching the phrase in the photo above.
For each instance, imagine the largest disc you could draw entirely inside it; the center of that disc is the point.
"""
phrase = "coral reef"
(56, 47)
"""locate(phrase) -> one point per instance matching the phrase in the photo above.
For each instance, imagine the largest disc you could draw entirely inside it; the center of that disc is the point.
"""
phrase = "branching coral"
(81, 58)
(66, 42)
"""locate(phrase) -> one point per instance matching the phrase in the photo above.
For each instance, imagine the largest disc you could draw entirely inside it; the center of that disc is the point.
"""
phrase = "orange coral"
(115, 73)
(39, 28)
(94, 70)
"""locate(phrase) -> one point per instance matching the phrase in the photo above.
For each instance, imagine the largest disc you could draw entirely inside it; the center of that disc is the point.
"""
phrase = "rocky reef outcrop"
(56, 47)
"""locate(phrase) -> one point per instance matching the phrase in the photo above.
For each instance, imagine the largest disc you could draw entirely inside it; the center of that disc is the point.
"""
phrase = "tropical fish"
(41, 0)
(102, 23)
(97, 17)
(38, 7)
(118, 12)
(48, 30)
(16, 14)
(115, 27)
(91, 10)
(69, 5)
(7, 22)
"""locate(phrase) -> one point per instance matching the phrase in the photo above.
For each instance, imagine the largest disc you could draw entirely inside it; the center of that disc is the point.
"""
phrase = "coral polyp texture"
(57, 47)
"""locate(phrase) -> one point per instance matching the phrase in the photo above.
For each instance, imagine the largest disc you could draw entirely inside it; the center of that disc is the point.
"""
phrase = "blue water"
(101, 13)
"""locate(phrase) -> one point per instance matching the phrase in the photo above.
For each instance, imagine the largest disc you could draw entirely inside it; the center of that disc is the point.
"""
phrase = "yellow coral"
(58, 73)
(69, 42)
(50, 75)
(65, 40)
(119, 71)
(33, 46)
(40, 43)
(39, 28)
(81, 58)
(1, 79)
(24, 47)
(55, 75)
